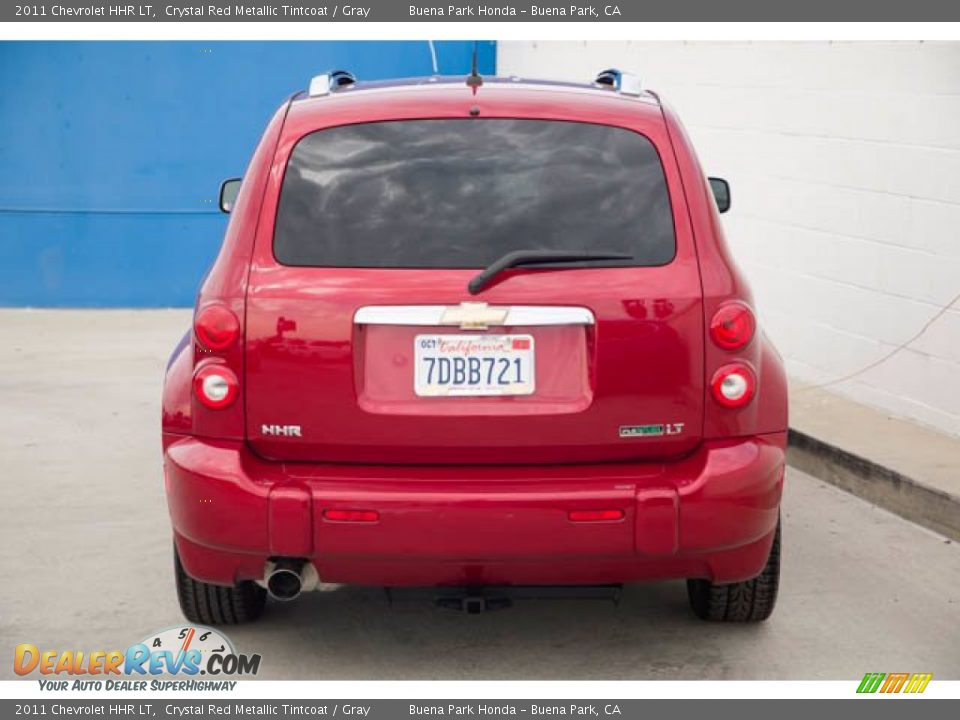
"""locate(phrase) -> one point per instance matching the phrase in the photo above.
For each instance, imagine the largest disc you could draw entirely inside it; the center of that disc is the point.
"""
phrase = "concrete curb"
(907, 497)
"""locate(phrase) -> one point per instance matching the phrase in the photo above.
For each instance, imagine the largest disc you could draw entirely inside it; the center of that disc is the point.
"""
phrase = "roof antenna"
(473, 79)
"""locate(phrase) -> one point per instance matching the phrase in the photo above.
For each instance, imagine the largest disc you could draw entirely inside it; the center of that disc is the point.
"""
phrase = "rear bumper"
(711, 515)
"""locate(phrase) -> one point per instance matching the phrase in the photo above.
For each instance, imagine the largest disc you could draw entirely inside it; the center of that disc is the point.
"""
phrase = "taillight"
(734, 385)
(215, 386)
(595, 515)
(732, 326)
(351, 515)
(216, 327)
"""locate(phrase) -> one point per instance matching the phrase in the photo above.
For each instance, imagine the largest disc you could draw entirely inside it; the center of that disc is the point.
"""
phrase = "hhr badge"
(281, 430)
(630, 431)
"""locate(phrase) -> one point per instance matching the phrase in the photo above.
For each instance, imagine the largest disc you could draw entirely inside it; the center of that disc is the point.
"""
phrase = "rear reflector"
(732, 326)
(351, 515)
(216, 327)
(216, 386)
(595, 515)
(733, 385)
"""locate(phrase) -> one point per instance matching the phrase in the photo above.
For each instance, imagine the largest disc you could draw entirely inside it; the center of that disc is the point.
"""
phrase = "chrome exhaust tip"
(285, 581)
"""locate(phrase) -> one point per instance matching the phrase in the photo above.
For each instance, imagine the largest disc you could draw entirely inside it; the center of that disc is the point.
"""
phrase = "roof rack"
(622, 82)
(330, 81)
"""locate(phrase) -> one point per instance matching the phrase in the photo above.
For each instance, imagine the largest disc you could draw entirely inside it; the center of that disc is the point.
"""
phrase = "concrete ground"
(923, 454)
(85, 548)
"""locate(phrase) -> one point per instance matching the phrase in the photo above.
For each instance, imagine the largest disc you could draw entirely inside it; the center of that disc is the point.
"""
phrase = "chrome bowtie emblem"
(474, 315)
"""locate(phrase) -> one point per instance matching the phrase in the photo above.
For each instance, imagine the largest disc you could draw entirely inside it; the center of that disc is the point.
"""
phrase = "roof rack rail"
(622, 82)
(329, 81)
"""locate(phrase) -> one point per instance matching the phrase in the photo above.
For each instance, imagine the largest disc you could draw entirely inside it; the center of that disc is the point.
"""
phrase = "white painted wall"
(844, 160)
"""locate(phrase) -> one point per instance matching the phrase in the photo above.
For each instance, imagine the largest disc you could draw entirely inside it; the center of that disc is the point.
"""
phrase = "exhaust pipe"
(285, 580)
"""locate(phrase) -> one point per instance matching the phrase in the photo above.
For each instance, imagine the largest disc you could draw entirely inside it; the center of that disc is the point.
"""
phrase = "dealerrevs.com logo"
(189, 651)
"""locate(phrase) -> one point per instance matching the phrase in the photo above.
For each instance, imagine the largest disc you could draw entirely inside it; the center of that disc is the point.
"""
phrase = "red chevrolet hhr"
(474, 335)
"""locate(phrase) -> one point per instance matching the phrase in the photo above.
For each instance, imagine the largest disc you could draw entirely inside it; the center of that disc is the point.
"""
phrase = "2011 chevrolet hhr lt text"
(474, 335)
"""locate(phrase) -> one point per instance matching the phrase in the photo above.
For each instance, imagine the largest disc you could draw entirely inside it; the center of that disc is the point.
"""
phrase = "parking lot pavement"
(86, 556)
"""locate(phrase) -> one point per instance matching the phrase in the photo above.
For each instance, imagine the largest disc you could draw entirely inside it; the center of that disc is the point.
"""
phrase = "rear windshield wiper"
(538, 257)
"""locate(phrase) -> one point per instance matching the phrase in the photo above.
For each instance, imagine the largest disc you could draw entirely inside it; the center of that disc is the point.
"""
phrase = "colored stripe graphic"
(894, 682)
(918, 682)
(870, 682)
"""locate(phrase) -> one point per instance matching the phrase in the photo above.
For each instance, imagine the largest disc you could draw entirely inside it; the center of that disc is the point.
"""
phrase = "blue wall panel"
(112, 154)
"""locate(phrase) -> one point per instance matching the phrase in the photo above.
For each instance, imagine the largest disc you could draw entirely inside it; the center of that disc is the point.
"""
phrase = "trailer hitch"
(474, 601)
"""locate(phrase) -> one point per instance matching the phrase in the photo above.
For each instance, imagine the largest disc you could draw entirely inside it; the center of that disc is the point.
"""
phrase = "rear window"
(462, 193)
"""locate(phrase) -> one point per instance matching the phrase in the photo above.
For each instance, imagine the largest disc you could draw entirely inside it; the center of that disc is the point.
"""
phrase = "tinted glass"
(462, 193)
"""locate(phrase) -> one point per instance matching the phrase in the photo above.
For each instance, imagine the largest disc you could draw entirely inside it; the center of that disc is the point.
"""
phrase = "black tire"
(747, 601)
(208, 604)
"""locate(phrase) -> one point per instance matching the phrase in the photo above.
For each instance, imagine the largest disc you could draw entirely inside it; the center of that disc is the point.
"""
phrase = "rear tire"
(747, 601)
(209, 604)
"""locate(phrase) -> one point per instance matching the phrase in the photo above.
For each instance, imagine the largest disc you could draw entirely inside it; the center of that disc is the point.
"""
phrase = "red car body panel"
(711, 514)
(646, 346)
(472, 491)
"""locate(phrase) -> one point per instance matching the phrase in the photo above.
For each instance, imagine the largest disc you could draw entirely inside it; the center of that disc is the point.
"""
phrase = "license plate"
(477, 365)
